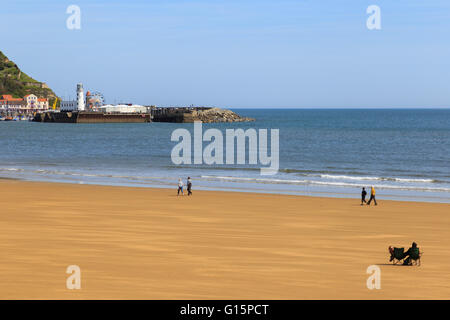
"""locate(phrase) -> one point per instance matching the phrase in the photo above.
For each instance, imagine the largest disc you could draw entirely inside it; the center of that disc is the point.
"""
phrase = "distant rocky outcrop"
(215, 115)
(205, 115)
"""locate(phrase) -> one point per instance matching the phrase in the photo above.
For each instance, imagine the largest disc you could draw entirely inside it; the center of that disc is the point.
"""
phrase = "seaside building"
(42, 104)
(69, 106)
(26, 105)
(123, 108)
(31, 101)
(75, 105)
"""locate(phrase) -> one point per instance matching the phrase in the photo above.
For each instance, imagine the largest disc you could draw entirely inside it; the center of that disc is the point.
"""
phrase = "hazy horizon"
(237, 54)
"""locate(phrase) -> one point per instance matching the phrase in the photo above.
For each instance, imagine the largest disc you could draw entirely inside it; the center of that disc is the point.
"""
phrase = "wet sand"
(137, 243)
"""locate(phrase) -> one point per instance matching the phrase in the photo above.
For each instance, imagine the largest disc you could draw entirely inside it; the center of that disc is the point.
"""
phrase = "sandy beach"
(140, 243)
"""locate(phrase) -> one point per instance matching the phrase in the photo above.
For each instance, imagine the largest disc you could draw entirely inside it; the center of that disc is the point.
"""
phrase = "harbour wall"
(91, 117)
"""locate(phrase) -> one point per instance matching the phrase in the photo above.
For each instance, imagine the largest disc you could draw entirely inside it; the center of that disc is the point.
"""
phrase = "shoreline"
(147, 243)
(314, 194)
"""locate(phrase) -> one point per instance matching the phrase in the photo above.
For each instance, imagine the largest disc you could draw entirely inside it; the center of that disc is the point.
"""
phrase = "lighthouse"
(80, 97)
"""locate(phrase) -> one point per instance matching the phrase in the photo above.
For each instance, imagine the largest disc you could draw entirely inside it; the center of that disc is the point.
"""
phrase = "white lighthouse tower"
(80, 97)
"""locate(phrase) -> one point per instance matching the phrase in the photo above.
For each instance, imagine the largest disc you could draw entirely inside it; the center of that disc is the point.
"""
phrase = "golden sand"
(137, 243)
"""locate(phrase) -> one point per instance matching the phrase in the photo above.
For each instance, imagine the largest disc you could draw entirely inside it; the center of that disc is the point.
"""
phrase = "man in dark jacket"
(189, 186)
(363, 196)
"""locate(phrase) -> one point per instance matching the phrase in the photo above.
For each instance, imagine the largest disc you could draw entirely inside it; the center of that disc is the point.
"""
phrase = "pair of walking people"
(372, 196)
(189, 186)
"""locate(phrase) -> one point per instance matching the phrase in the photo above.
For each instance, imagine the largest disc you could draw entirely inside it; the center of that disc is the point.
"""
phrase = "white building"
(69, 106)
(42, 104)
(75, 105)
(31, 101)
(123, 108)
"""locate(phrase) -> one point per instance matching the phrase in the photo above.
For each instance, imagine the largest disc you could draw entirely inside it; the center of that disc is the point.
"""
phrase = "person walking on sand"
(180, 187)
(363, 196)
(372, 197)
(189, 186)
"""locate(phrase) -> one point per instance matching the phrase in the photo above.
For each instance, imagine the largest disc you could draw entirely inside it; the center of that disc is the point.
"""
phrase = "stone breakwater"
(188, 115)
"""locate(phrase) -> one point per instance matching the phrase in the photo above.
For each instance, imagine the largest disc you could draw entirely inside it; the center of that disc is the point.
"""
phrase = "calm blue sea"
(405, 154)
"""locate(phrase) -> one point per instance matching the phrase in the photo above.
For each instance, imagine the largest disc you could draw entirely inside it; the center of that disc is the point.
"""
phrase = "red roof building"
(29, 104)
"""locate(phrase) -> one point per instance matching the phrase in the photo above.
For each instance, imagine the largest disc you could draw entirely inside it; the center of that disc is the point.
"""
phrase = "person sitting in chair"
(413, 253)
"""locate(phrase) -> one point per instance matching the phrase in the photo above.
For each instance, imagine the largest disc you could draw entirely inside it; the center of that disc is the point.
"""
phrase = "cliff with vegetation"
(17, 83)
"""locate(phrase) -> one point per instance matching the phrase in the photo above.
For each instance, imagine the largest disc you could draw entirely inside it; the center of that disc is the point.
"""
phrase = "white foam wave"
(324, 183)
(343, 177)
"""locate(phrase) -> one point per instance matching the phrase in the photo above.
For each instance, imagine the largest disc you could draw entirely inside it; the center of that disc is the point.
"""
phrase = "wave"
(79, 174)
(11, 169)
(324, 174)
(324, 183)
(335, 174)
(343, 177)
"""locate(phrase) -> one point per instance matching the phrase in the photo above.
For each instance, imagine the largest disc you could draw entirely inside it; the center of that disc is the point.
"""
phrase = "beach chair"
(415, 257)
(397, 255)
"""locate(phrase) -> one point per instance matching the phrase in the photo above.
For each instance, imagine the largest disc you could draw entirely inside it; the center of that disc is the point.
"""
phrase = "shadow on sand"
(394, 265)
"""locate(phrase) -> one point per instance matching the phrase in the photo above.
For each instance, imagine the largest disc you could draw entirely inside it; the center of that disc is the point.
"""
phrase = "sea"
(403, 153)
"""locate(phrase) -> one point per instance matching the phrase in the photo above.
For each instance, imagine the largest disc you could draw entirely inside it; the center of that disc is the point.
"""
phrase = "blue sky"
(305, 53)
